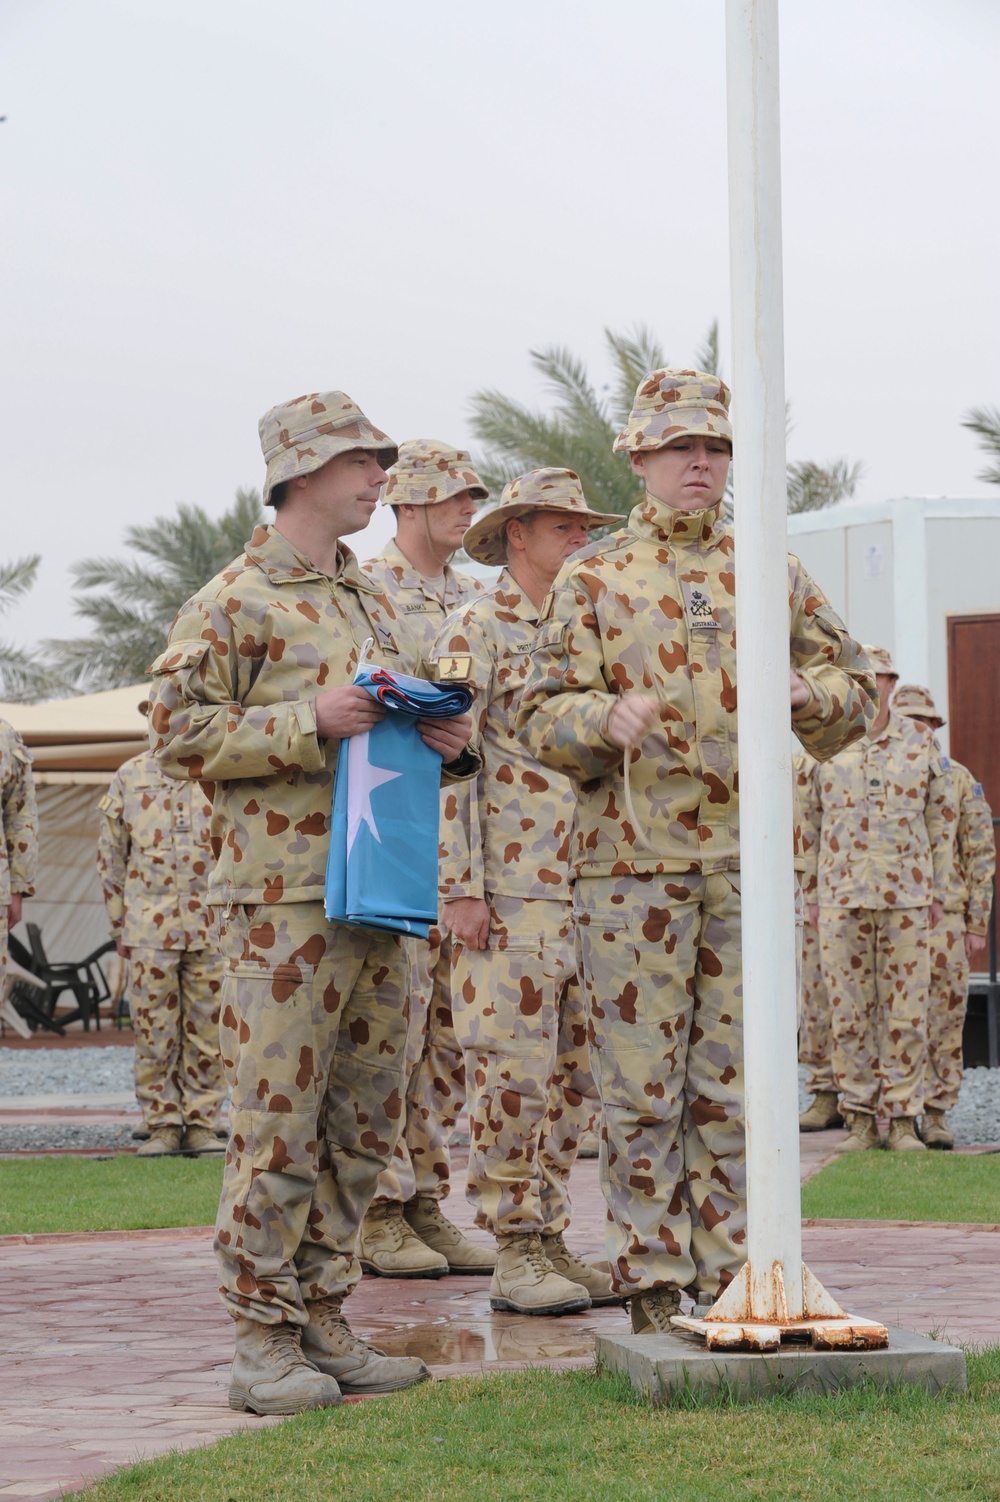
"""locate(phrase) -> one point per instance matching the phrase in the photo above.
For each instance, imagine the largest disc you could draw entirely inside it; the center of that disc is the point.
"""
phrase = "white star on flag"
(363, 779)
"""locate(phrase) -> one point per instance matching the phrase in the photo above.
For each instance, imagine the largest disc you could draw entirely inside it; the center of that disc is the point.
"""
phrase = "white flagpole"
(769, 989)
(774, 1292)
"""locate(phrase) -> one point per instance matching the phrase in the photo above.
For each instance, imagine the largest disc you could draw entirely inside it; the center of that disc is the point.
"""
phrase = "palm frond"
(130, 603)
(706, 356)
(813, 486)
(25, 677)
(985, 423)
(633, 356)
(16, 578)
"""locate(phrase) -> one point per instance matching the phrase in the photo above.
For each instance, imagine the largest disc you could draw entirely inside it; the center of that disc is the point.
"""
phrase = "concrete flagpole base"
(660, 1365)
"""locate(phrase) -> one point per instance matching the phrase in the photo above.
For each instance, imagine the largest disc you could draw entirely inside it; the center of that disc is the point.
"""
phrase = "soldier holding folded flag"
(255, 695)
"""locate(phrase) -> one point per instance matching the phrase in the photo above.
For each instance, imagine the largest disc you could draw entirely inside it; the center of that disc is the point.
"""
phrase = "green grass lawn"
(128, 1193)
(580, 1437)
(906, 1186)
(124, 1193)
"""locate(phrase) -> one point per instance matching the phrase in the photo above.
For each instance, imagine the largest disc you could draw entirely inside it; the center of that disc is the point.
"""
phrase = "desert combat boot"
(425, 1217)
(357, 1368)
(594, 1279)
(652, 1311)
(525, 1282)
(822, 1114)
(201, 1139)
(863, 1133)
(903, 1136)
(389, 1247)
(271, 1375)
(164, 1139)
(934, 1130)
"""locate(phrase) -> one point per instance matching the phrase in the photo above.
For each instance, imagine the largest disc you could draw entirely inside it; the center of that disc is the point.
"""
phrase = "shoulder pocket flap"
(549, 636)
(830, 620)
(23, 754)
(185, 654)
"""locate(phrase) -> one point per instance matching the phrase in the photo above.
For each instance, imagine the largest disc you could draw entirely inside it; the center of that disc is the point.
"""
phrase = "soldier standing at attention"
(154, 856)
(883, 853)
(255, 694)
(958, 939)
(815, 1029)
(19, 844)
(508, 905)
(433, 490)
(632, 694)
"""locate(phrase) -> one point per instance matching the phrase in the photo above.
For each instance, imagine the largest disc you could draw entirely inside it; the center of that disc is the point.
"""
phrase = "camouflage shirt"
(234, 706)
(652, 608)
(883, 809)
(19, 850)
(506, 831)
(422, 609)
(153, 857)
(968, 886)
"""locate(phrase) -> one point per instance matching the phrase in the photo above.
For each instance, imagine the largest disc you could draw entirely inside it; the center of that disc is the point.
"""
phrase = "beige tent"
(76, 744)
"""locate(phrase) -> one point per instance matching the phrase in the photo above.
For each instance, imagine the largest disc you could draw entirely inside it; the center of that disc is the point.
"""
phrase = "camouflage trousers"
(947, 1000)
(435, 1077)
(661, 970)
(173, 997)
(876, 969)
(815, 1023)
(314, 1044)
(519, 1018)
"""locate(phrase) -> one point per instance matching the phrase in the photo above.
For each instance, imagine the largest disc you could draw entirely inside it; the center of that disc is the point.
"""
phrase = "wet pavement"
(117, 1347)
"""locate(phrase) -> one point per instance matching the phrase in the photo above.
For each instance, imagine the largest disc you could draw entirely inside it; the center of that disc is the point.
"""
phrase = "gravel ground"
(79, 1071)
(975, 1121)
(66, 1071)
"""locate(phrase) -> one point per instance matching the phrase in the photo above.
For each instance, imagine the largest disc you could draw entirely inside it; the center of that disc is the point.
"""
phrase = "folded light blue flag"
(382, 871)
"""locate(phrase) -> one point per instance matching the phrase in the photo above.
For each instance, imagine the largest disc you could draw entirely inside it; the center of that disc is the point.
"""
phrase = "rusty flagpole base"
(739, 1322)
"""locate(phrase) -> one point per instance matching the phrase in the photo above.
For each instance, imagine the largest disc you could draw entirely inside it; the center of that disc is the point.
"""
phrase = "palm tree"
(579, 432)
(23, 676)
(812, 486)
(986, 422)
(133, 602)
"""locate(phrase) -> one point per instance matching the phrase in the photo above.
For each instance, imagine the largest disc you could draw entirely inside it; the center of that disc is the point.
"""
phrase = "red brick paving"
(116, 1347)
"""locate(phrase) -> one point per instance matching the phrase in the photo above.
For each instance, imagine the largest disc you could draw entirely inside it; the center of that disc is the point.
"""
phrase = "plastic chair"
(84, 979)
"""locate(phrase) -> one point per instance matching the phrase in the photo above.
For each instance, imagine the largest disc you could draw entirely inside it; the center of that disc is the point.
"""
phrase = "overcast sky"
(209, 206)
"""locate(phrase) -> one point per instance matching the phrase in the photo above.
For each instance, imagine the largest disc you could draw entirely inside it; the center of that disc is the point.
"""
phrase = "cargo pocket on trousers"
(270, 1009)
(617, 1006)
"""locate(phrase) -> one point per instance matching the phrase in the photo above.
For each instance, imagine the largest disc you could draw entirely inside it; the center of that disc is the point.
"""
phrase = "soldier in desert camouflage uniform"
(19, 845)
(255, 695)
(958, 939)
(881, 808)
(153, 857)
(633, 694)
(433, 490)
(508, 904)
(815, 1029)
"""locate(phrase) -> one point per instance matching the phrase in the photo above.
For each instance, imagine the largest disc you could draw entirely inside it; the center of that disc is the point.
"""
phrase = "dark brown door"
(974, 698)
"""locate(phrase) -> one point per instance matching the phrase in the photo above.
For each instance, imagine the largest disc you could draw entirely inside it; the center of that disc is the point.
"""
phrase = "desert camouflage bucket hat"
(539, 490)
(305, 433)
(881, 661)
(914, 700)
(670, 404)
(427, 472)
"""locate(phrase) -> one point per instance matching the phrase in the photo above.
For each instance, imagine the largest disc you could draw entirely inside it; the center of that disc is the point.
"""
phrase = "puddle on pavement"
(500, 1338)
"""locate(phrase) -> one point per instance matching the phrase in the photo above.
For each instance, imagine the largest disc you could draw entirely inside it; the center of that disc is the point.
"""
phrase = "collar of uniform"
(408, 576)
(275, 556)
(512, 597)
(893, 727)
(654, 519)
